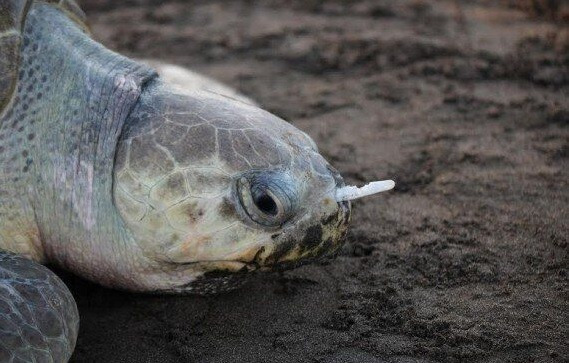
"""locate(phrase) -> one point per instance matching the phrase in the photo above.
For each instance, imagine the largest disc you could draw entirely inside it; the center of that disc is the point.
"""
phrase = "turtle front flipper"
(39, 320)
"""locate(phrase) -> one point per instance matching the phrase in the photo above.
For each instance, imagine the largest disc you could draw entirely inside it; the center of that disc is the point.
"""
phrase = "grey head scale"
(210, 186)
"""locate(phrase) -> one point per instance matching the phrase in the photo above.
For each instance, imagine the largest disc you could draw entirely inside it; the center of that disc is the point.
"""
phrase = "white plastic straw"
(352, 192)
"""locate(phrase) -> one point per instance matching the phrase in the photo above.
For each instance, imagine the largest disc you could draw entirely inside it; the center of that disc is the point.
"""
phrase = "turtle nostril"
(266, 204)
(337, 177)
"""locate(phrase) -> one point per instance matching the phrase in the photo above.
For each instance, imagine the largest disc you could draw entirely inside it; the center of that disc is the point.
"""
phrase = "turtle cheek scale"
(176, 166)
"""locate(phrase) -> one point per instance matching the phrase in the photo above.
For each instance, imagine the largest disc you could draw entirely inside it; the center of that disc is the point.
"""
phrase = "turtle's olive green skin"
(111, 173)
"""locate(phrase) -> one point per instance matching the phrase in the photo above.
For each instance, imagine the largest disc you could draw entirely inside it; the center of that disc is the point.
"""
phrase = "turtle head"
(211, 188)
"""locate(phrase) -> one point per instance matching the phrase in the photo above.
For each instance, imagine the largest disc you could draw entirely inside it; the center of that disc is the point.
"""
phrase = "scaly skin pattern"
(59, 137)
(114, 175)
(58, 133)
(39, 320)
(178, 167)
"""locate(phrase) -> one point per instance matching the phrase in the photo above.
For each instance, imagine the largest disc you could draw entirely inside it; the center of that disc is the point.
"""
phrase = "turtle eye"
(267, 199)
(266, 203)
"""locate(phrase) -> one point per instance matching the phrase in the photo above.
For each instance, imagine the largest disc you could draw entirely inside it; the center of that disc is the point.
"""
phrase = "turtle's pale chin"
(201, 278)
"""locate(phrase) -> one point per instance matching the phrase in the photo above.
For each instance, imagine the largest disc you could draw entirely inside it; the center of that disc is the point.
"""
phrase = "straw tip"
(389, 184)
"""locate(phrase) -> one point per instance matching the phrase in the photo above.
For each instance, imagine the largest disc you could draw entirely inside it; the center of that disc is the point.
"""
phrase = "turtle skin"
(12, 18)
(39, 321)
(12, 14)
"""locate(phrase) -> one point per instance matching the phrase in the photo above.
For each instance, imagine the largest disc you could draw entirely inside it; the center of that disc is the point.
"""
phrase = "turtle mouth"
(237, 267)
(231, 266)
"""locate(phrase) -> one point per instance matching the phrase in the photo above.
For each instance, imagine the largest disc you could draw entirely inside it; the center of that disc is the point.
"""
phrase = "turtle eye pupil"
(266, 204)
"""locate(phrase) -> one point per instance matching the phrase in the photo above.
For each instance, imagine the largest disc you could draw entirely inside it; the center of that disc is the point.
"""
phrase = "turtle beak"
(321, 234)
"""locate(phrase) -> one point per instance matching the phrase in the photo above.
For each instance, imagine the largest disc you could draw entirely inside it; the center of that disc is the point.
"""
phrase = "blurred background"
(464, 103)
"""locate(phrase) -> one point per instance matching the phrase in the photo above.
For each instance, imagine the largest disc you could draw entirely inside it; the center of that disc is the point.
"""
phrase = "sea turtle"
(111, 173)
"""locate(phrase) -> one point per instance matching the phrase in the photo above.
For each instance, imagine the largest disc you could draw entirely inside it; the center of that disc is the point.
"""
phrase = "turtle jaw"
(319, 234)
(309, 240)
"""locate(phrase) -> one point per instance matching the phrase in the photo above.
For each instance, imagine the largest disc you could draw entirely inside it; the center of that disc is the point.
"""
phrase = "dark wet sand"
(465, 106)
